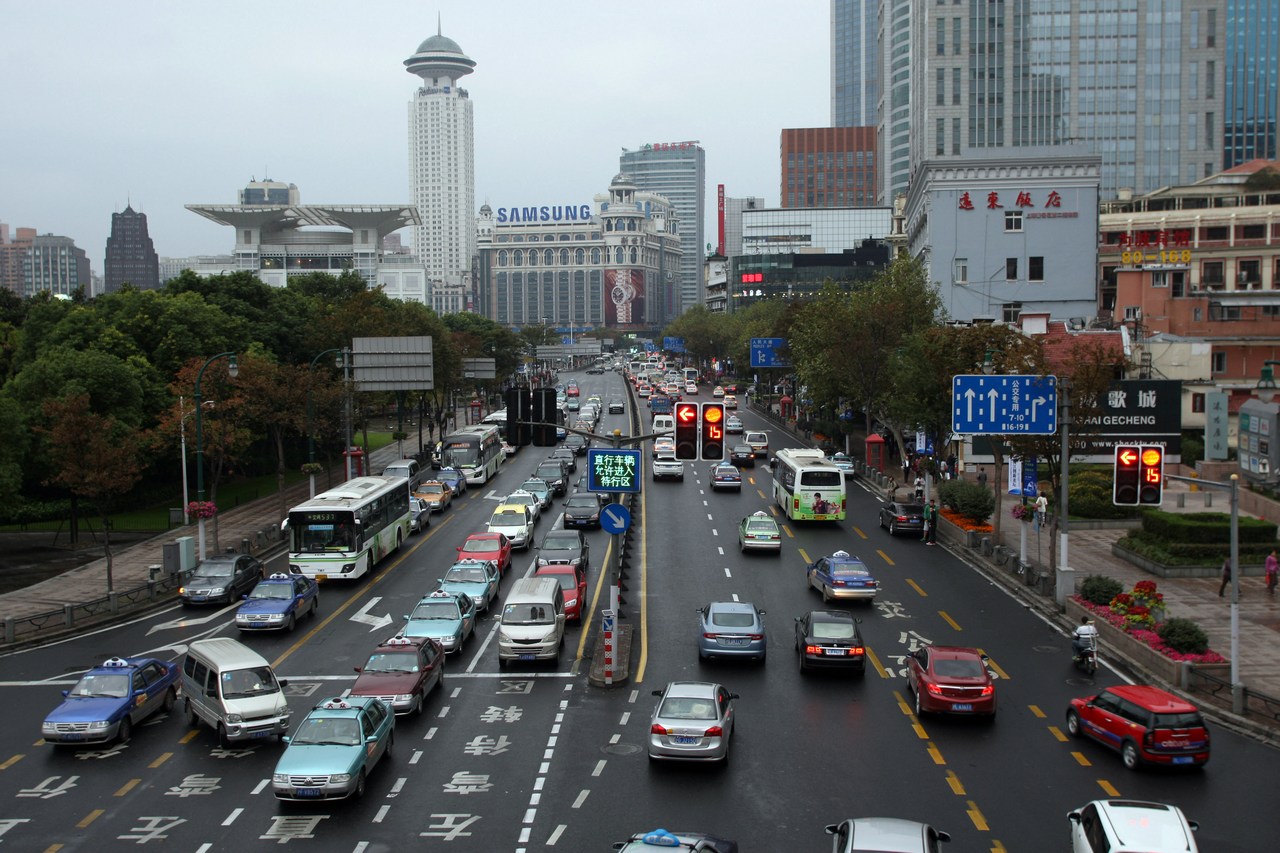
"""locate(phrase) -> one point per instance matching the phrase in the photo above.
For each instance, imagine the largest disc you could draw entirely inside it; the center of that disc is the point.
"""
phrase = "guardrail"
(1214, 682)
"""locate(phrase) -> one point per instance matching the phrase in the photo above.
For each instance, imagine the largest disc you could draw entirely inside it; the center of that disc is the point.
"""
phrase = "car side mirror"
(371, 739)
(284, 682)
(943, 836)
(733, 696)
(799, 619)
(1074, 817)
(358, 668)
(657, 693)
(244, 597)
(285, 738)
(1195, 825)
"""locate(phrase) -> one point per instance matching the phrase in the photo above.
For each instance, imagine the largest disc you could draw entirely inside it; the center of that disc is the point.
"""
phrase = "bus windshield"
(321, 531)
(459, 454)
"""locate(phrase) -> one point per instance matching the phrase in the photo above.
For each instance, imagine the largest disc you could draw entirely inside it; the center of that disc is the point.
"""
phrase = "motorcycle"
(1087, 658)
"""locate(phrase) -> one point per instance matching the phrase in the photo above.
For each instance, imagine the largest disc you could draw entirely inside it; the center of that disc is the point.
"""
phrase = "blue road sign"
(613, 470)
(1004, 405)
(764, 352)
(615, 518)
(675, 345)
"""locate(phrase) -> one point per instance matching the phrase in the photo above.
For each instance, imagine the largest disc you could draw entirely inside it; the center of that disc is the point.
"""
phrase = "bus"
(808, 486)
(476, 451)
(343, 533)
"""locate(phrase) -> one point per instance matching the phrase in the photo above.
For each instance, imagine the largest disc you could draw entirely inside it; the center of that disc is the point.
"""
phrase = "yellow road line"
(595, 601)
(161, 760)
(991, 663)
(886, 557)
(936, 754)
(919, 729)
(773, 509)
(761, 494)
(1058, 733)
(917, 588)
(53, 848)
(189, 736)
(1035, 709)
(954, 781)
(875, 661)
(949, 620)
(804, 556)
(997, 847)
(902, 703)
(787, 530)
(1080, 759)
(858, 530)
(12, 761)
(1107, 786)
(975, 815)
(90, 818)
(127, 787)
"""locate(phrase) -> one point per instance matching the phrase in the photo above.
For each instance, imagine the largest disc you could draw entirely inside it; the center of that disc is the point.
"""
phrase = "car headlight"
(404, 697)
(48, 728)
(218, 590)
(275, 617)
(99, 725)
(542, 561)
(340, 778)
(234, 718)
(284, 711)
(280, 778)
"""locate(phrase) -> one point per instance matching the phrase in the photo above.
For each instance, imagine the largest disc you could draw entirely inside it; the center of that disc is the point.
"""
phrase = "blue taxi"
(842, 576)
(642, 842)
(331, 754)
(277, 602)
(477, 579)
(109, 700)
(447, 617)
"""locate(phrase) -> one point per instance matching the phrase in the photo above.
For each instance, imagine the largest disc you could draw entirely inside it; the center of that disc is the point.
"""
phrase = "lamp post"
(182, 433)
(233, 370)
(311, 439)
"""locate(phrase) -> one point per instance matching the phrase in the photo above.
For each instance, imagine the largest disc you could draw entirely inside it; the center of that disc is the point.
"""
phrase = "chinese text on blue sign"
(764, 352)
(1004, 405)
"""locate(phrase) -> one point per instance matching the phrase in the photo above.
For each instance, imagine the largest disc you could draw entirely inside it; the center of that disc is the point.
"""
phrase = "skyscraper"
(1252, 72)
(828, 167)
(131, 256)
(677, 171)
(855, 69)
(442, 161)
(55, 264)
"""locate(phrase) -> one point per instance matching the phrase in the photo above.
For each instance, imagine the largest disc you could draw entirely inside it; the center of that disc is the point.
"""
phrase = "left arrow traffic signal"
(686, 418)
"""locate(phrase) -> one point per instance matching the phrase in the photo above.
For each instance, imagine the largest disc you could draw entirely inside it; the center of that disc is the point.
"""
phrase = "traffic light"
(1124, 491)
(544, 417)
(519, 405)
(686, 430)
(1151, 476)
(712, 431)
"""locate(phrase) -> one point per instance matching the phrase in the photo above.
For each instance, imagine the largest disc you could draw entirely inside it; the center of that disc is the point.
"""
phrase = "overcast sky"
(164, 104)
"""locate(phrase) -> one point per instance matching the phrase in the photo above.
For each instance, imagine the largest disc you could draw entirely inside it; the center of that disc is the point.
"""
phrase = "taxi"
(278, 602)
(109, 700)
(487, 546)
(331, 754)
(645, 842)
(759, 532)
(842, 576)
(401, 672)
(730, 401)
(515, 521)
(717, 391)
(446, 617)
(436, 494)
(725, 475)
(477, 579)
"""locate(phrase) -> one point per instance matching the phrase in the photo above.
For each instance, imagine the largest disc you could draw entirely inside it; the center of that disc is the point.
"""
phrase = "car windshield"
(273, 591)
(115, 686)
(566, 580)
(963, 668)
(255, 681)
(479, 546)
(435, 610)
(527, 614)
(583, 501)
(687, 708)
(910, 509)
(215, 570)
(465, 574)
(431, 489)
(732, 619)
(561, 543)
(833, 630)
(397, 662)
(327, 731)
(533, 486)
(552, 471)
(507, 518)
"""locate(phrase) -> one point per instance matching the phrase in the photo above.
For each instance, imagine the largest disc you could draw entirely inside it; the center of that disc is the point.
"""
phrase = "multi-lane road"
(536, 760)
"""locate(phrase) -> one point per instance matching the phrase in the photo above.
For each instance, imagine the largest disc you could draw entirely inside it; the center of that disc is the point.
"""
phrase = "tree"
(274, 395)
(95, 457)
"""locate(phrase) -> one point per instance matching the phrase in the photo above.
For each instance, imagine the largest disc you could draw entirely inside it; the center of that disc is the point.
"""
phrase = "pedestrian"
(1273, 569)
(1042, 508)
(931, 530)
(1226, 577)
(982, 477)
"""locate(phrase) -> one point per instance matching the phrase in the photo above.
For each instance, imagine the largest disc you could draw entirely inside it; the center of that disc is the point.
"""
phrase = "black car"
(565, 455)
(553, 473)
(221, 579)
(577, 443)
(617, 407)
(830, 639)
(897, 516)
(582, 510)
(564, 547)
(742, 455)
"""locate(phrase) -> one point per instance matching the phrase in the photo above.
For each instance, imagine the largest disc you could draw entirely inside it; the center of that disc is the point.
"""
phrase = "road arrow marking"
(364, 617)
(186, 622)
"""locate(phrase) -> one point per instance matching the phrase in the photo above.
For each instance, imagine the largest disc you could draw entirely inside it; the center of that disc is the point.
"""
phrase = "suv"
(1113, 826)
(759, 442)
(553, 473)
(1146, 724)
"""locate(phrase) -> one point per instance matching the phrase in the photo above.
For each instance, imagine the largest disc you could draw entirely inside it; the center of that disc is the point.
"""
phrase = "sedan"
(109, 700)
(529, 499)
(1103, 826)
(842, 576)
(334, 749)
(844, 462)
(691, 388)
(573, 584)
(830, 639)
(579, 444)
(644, 842)
(477, 579)
(617, 407)
(514, 521)
(221, 579)
(401, 672)
(419, 515)
(443, 616)
(733, 425)
(664, 447)
(454, 479)
(582, 510)
(488, 546)
(952, 680)
(692, 721)
(732, 629)
(539, 489)
(879, 834)
(277, 602)
(742, 455)
(565, 455)
(717, 391)
(552, 473)
(725, 475)
(759, 532)
(899, 516)
(436, 494)
(565, 548)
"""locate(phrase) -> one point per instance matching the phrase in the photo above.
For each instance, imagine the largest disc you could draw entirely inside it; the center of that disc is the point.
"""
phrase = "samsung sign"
(553, 213)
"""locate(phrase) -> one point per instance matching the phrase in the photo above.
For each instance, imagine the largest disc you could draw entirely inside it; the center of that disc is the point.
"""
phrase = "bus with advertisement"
(343, 533)
(808, 486)
(476, 451)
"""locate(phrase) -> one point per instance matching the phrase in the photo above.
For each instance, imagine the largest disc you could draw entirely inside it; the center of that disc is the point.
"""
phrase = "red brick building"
(828, 167)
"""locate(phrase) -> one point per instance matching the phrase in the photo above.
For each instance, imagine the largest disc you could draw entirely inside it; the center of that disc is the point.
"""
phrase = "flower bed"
(1122, 622)
(966, 524)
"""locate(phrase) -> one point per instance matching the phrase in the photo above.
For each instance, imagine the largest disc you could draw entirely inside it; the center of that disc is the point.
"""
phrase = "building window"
(1253, 232)
(940, 88)
(955, 136)
(1013, 220)
(1208, 132)
(1197, 314)
(962, 270)
(564, 257)
(1035, 268)
(1010, 311)
(502, 258)
(941, 47)
(518, 257)
(1219, 360)
(1216, 233)
(1132, 313)
(1249, 275)
(1011, 269)
(955, 87)
(595, 257)
(955, 36)
(940, 141)
(1210, 75)
(1197, 401)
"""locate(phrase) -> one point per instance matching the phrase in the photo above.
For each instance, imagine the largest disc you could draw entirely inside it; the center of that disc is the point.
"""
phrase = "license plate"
(833, 651)
(685, 739)
(733, 641)
(1182, 759)
(962, 706)
(525, 657)
(306, 792)
(322, 577)
(261, 734)
(73, 737)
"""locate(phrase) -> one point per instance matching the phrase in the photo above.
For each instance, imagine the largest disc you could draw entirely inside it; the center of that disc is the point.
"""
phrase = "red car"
(401, 672)
(1145, 724)
(487, 546)
(573, 581)
(951, 680)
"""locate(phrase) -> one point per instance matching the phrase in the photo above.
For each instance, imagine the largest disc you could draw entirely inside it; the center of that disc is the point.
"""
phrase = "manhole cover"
(1046, 650)
(622, 749)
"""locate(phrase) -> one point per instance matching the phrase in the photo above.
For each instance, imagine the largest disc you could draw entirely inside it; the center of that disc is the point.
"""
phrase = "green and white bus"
(343, 533)
(808, 486)
(476, 451)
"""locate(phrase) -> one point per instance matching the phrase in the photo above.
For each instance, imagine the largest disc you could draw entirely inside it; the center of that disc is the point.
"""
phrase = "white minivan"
(532, 624)
(664, 424)
(232, 688)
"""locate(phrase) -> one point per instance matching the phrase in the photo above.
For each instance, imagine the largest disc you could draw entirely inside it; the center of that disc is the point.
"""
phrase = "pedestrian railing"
(69, 617)
(1217, 685)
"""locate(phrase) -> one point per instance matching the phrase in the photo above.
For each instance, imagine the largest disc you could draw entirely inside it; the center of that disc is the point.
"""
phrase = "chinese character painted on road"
(495, 714)
(195, 785)
(468, 783)
(966, 203)
(286, 828)
(219, 752)
(152, 829)
(486, 745)
(450, 826)
(48, 789)
(101, 753)
(913, 640)
(891, 609)
(10, 823)
(515, 687)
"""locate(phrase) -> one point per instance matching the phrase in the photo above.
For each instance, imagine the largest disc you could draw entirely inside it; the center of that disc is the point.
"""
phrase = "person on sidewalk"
(931, 531)
(1042, 508)
(1273, 569)
(1226, 577)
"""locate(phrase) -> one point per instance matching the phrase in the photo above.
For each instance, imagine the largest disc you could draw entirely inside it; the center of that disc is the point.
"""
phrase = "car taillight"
(710, 636)
(656, 729)
(988, 690)
(715, 731)
(934, 688)
(813, 650)
(902, 518)
(755, 636)
(856, 650)
(797, 505)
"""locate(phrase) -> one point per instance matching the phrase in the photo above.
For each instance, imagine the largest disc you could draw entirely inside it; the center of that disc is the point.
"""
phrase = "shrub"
(1090, 496)
(1100, 589)
(1184, 636)
(970, 500)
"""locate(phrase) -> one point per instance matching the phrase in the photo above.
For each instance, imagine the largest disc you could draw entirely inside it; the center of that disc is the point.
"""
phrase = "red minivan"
(1146, 725)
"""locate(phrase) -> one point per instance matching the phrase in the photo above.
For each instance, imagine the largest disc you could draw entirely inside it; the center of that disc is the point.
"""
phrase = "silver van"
(407, 468)
(532, 624)
(232, 688)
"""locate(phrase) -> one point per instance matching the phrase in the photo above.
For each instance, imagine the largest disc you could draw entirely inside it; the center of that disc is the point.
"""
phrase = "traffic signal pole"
(1065, 580)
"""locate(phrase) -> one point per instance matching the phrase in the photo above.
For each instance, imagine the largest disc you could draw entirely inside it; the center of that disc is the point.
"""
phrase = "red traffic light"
(687, 413)
(712, 413)
(1127, 456)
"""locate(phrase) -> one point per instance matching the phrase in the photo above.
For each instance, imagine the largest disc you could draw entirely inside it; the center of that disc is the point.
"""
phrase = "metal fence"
(1218, 688)
(69, 617)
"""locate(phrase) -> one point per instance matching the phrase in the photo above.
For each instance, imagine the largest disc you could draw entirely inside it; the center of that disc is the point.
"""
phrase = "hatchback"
(731, 629)
(693, 721)
(1131, 826)
(1145, 724)
(951, 680)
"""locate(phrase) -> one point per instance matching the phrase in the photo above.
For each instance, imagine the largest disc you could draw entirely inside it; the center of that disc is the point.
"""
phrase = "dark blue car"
(277, 602)
(109, 700)
(453, 478)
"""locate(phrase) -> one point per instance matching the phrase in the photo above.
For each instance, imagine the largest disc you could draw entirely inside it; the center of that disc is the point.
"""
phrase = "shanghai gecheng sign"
(1138, 411)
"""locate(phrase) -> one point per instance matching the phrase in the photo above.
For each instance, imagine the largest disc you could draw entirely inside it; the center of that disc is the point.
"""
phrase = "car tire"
(291, 624)
(1129, 755)
(170, 699)
(826, 595)
(893, 528)
(223, 740)
(125, 731)
(1073, 724)
(189, 712)
(358, 793)
(918, 705)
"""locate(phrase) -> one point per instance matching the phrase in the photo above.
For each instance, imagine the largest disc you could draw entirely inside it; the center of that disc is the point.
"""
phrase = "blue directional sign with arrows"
(1004, 405)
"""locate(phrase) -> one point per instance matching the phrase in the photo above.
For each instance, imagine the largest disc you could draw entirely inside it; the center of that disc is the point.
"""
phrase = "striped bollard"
(606, 632)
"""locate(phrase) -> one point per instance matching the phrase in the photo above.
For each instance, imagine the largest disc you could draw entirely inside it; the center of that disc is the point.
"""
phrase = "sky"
(160, 104)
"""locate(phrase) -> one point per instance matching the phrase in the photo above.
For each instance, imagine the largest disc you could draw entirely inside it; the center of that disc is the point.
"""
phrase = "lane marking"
(919, 729)
(886, 557)
(127, 787)
(975, 815)
(257, 789)
(555, 835)
(761, 494)
(382, 812)
(954, 781)
(936, 754)
(1058, 733)
(875, 661)
(991, 663)
(1106, 786)
(231, 818)
(1080, 759)
(12, 761)
(189, 736)
(917, 588)
(595, 601)
(90, 818)
(949, 620)
(773, 509)
(580, 799)
(804, 556)
(858, 530)
(161, 760)
(727, 573)
(787, 530)
(1035, 709)
(599, 768)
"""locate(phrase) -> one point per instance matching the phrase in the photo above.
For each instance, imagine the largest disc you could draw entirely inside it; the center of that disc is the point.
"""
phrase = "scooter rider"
(1083, 638)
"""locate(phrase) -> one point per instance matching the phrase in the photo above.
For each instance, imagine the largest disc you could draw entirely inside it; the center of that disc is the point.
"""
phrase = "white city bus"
(476, 451)
(343, 533)
(808, 486)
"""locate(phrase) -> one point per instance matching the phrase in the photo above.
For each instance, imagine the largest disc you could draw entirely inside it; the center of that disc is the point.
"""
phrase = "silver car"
(884, 835)
(693, 721)
(731, 629)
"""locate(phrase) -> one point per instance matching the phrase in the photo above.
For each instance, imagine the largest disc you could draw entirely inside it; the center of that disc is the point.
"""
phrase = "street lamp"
(339, 362)
(233, 370)
(182, 432)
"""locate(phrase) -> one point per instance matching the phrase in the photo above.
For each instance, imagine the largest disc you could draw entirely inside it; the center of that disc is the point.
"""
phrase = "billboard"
(624, 298)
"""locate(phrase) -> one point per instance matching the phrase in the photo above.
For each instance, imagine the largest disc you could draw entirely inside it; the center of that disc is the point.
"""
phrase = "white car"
(668, 469)
(1118, 826)
(529, 499)
(664, 447)
(515, 521)
(718, 391)
(691, 388)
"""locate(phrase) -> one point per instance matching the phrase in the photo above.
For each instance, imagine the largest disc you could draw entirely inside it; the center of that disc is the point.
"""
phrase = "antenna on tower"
(439, 32)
